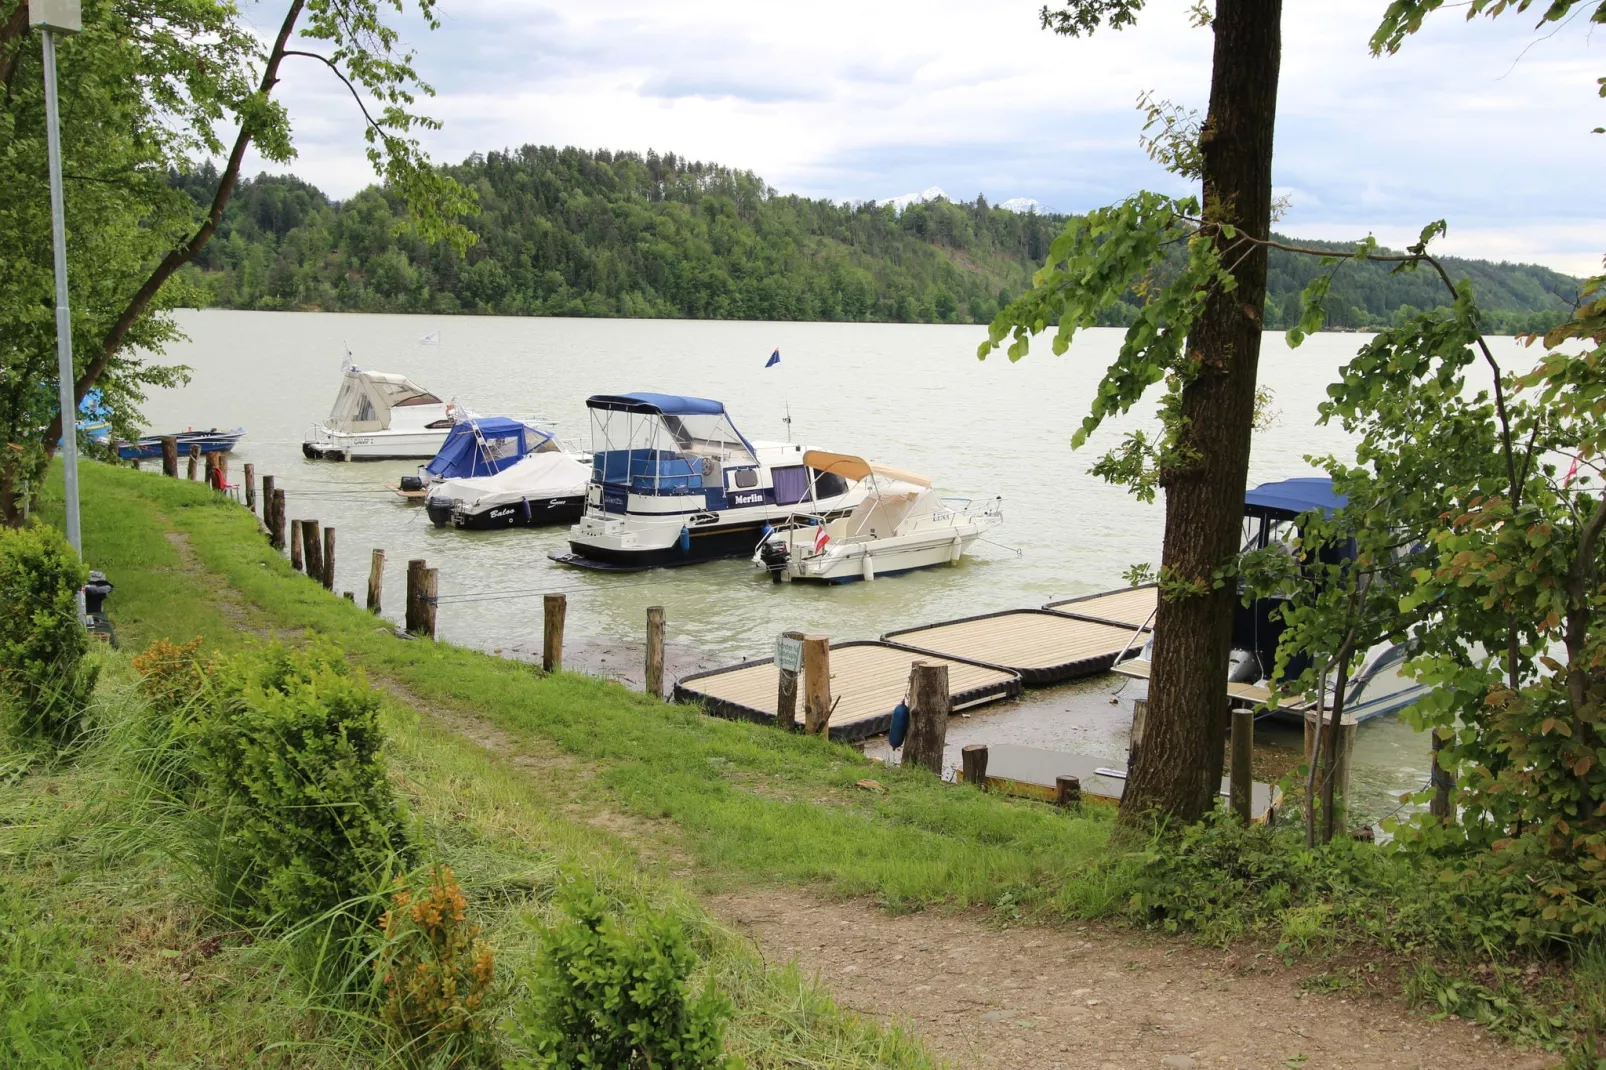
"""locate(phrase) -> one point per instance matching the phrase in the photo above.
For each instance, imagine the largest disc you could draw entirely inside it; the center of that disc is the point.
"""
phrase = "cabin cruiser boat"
(380, 416)
(210, 441)
(673, 482)
(496, 472)
(1271, 518)
(900, 525)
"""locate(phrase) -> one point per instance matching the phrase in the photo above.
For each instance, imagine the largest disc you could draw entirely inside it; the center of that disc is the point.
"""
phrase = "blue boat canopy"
(657, 404)
(1287, 498)
(484, 446)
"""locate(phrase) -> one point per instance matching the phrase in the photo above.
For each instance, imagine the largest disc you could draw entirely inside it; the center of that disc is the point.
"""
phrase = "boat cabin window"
(745, 478)
(829, 485)
(791, 484)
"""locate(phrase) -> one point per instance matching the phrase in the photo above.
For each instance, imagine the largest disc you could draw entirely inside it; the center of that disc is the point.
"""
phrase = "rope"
(1011, 549)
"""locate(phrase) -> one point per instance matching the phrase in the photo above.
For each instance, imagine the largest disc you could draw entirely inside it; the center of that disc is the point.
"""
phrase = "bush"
(291, 775)
(612, 991)
(436, 970)
(44, 673)
(172, 676)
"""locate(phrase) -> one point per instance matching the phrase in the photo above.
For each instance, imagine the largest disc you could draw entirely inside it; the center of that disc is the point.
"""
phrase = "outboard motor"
(412, 483)
(95, 592)
(774, 555)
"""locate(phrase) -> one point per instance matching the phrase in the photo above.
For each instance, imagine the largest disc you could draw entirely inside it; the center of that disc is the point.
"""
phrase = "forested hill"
(568, 232)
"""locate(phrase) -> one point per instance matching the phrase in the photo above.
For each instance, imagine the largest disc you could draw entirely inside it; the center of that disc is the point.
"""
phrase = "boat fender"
(869, 566)
(524, 507)
(685, 540)
(956, 551)
(900, 725)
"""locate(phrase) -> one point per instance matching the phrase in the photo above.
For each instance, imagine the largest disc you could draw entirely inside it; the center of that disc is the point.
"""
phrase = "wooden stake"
(426, 600)
(328, 561)
(311, 550)
(170, 456)
(277, 536)
(1439, 805)
(376, 580)
(816, 684)
(350, 596)
(929, 709)
(655, 651)
(554, 608)
(251, 486)
(415, 586)
(786, 695)
(973, 764)
(267, 508)
(1067, 790)
(295, 544)
(195, 461)
(1140, 717)
(1241, 777)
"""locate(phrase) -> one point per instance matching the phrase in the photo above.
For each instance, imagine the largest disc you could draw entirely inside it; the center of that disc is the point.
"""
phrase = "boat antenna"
(788, 419)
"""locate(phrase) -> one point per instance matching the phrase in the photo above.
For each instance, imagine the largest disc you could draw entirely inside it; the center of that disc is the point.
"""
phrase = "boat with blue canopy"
(499, 472)
(673, 482)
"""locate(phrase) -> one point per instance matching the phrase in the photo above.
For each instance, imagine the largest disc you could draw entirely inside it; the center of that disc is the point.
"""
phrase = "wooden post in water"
(973, 764)
(195, 461)
(350, 596)
(311, 549)
(1140, 717)
(816, 684)
(376, 580)
(554, 608)
(1241, 777)
(426, 600)
(786, 694)
(251, 486)
(277, 536)
(295, 544)
(929, 709)
(1439, 805)
(655, 651)
(170, 456)
(415, 587)
(328, 561)
(209, 470)
(1067, 790)
(267, 506)
(222, 471)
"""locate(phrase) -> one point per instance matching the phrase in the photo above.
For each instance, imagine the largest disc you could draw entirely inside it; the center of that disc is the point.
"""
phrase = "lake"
(912, 396)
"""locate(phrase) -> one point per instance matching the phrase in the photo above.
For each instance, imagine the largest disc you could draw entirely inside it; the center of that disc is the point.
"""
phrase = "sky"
(1485, 124)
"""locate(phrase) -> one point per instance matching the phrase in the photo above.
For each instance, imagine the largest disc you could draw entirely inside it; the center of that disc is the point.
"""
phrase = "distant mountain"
(1026, 204)
(570, 232)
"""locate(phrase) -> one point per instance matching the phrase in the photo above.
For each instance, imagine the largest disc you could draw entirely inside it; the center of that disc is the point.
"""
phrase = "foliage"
(45, 676)
(294, 779)
(436, 970)
(613, 991)
(173, 676)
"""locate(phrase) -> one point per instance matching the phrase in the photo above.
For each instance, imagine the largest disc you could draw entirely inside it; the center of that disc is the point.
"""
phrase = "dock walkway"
(1131, 607)
(1043, 645)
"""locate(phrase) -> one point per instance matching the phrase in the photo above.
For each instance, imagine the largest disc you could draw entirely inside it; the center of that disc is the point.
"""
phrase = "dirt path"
(1082, 999)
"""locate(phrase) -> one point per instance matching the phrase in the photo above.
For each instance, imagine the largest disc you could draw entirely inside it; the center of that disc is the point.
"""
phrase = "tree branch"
(327, 62)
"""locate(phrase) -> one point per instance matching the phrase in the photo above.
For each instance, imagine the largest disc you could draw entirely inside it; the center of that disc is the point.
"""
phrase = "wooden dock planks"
(1133, 606)
(1044, 646)
(867, 680)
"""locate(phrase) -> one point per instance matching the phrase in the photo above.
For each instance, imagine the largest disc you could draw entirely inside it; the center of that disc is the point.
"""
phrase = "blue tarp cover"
(667, 404)
(483, 446)
(1290, 497)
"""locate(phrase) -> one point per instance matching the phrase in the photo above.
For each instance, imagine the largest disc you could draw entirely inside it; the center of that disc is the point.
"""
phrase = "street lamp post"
(53, 17)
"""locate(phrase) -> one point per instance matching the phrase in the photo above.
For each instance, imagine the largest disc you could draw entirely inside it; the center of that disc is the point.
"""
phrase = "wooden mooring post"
(251, 486)
(1067, 790)
(376, 580)
(267, 506)
(655, 651)
(328, 561)
(311, 549)
(1134, 742)
(1241, 776)
(411, 618)
(195, 461)
(426, 600)
(973, 764)
(929, 708)
(554, 607)
(786, 692)
(295, 544)
(276, 529)
(1439, 804)
(170, 456)
(816, 684)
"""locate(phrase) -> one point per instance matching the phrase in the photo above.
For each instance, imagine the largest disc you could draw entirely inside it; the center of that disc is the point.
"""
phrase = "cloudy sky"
(1485, 124)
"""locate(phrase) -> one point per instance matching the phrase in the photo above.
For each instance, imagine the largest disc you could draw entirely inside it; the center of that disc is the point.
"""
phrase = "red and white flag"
(820, 538)
(1571, 471)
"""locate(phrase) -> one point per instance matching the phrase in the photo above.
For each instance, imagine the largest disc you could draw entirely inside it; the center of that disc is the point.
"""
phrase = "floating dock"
(1030, 772)
(868, 679)
(1044, 646)
(1250, 694)
(1132, 607)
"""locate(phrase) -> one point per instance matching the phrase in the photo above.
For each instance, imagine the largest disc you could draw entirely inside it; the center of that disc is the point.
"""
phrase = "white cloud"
(848, 100)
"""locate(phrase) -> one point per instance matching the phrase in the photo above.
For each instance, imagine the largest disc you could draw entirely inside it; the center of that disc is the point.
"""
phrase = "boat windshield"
(665, 453)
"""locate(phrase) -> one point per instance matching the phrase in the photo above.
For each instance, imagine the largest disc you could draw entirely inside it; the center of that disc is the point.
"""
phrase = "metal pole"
(64, 362)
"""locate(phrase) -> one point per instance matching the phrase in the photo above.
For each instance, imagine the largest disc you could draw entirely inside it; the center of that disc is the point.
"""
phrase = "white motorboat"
(900, 525)
(500, 472)
(380, 416)
(673, 482)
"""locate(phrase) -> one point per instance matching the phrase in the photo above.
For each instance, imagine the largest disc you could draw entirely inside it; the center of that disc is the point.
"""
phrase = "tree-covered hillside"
(567, 232)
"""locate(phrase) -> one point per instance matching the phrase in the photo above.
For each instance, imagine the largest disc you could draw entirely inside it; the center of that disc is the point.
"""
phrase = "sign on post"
(788, 654)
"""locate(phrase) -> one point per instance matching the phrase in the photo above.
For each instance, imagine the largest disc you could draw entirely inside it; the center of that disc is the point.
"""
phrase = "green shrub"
(612, 991)
(293, 783)
(44, 674)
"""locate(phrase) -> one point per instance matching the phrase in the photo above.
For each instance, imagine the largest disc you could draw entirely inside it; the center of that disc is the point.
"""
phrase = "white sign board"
(788, 654)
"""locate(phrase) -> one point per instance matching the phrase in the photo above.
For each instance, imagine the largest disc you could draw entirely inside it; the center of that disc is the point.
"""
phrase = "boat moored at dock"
(673, 482)
(497, 472)
(380, 416)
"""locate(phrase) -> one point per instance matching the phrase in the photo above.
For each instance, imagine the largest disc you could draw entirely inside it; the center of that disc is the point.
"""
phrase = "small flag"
(820, 539)
(775, 358)
(433, 338)
(1571, 471)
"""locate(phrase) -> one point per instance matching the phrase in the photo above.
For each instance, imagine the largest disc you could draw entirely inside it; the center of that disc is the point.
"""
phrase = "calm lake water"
(911, 396)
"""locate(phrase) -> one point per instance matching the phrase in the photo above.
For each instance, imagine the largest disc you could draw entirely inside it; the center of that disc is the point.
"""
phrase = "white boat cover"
(884, 511)
(366, 398)
(539, 475)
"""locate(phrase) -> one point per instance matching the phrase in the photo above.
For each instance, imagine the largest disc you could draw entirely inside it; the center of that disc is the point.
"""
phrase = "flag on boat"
(775, 358)
(820, 539)
(433, 338)
(1573, 471)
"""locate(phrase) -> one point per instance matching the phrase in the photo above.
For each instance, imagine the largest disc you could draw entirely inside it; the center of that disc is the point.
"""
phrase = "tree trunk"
(1186, 733)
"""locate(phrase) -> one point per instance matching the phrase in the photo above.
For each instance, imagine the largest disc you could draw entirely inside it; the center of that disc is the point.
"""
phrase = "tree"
(169, 79)
(1215, 303)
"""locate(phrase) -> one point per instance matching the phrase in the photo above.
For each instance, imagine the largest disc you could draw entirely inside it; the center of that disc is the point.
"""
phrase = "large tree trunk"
(1186, 731)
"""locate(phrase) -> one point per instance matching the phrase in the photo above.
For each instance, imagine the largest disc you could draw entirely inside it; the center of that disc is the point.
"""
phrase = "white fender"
(956, 550)
(869, 565)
